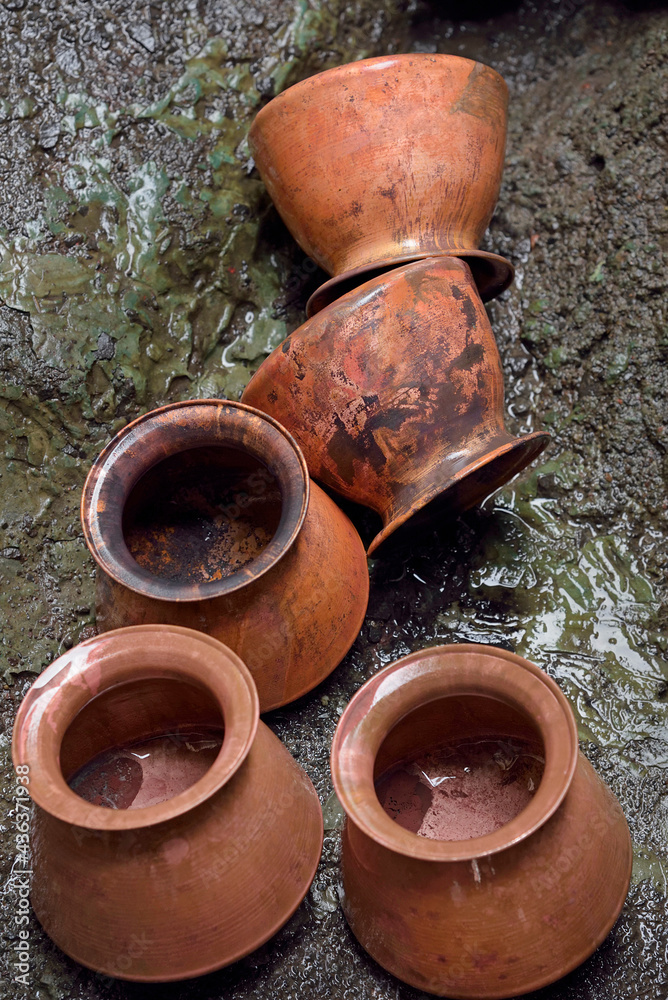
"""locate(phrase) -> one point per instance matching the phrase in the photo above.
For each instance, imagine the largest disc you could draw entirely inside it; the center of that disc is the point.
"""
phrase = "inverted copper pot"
(261, 558)
(387, 160)
(497, 915)
(192, 883)
(395, 394)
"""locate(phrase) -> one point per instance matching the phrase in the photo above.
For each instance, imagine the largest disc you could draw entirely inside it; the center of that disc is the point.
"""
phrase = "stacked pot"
(387, 172)
(172, 831)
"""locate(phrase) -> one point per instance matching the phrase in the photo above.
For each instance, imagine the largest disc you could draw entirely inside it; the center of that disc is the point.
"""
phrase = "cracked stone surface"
(142, 263)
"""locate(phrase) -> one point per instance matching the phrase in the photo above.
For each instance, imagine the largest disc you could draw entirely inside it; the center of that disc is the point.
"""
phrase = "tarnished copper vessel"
(496, 915)
(193, 882)
(387, 160)
(395, 394)
(201, 514)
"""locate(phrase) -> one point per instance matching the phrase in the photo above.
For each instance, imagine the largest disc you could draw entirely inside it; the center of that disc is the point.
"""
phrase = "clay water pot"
(387, 160)
(197, 880)
(395, 395)
(201, 514)
(498, 915)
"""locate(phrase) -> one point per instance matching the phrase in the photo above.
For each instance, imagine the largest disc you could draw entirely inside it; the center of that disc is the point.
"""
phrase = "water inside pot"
(464, 790)
(149, 771)
(202, 514)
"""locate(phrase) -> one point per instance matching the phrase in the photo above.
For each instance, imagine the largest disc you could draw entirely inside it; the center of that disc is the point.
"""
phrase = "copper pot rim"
(120, 657)
(360, 66)
(492, 275)
(106, 542)
(495, 450)
(413, 681)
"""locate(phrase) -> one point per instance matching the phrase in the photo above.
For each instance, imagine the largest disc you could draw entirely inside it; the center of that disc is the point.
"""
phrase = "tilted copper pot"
(201, 514)
(395, 394)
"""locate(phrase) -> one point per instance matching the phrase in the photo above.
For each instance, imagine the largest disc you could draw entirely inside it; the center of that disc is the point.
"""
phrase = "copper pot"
(192, 883)
(497, 915)
(387, 160)
(395, 394)
(201, 514)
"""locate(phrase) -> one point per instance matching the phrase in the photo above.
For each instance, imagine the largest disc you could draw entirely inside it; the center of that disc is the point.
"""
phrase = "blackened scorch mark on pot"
(343, 447)
(473, 354)
(301, 369)
(471, 313)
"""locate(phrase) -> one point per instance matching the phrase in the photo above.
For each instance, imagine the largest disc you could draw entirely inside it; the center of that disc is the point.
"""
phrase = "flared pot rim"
(161, 433)
(429, 675)
(498, 447)
(124, 656)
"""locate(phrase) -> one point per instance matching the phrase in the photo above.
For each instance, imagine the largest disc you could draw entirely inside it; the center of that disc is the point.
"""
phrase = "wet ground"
(141, 263)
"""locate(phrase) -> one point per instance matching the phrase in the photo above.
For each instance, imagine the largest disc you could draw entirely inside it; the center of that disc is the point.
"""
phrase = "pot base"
(491, 273)
(467, 487)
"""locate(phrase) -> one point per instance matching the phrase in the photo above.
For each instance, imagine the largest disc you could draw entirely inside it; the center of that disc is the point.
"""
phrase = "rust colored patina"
(497, 915)
(387, 160)
(395, 394)
(193, 883)
(201, 514)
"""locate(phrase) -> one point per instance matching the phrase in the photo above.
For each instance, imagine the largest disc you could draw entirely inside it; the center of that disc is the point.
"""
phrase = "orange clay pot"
(387, 160)
(192, 883)
(201, 514)
(497, 915)
(395, 395)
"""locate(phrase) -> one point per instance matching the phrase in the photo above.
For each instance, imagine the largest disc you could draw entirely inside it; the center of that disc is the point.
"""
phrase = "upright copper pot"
(290, 609)
(497, 915)
(387, 160)
(190, 884)
(395, 394)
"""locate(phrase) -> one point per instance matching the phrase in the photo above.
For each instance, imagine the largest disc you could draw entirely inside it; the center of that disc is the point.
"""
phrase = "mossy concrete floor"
(142, 263)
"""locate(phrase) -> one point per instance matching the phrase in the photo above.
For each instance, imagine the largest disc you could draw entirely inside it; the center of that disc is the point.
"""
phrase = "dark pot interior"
(202, 514)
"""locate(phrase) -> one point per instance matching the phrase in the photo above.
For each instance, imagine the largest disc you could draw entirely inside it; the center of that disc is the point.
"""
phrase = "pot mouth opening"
(202, 514)
(142, 743)
(459, 768)
(454, 753)
(195, 500)
(135, 727)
